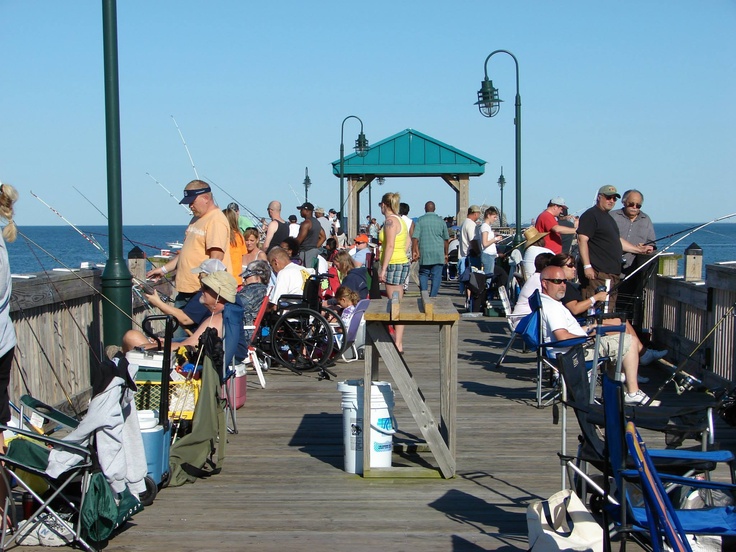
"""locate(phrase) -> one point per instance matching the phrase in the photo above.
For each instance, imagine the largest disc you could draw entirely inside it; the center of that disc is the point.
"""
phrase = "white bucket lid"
(147, 419)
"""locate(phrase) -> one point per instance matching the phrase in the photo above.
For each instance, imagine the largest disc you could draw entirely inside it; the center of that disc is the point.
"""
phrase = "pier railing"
(58, 324)
(681, 314)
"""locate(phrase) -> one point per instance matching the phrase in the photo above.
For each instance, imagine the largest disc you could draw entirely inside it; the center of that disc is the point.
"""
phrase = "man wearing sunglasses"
(559, 324)
(634, 225)
(601, 246)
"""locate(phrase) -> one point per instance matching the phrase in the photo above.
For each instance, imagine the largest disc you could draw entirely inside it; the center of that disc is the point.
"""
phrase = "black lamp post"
(361, 148)
(488, 104)
(501, 184)
(307, 183)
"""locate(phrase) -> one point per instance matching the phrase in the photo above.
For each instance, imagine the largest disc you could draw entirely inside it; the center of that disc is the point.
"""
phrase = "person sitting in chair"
(256, 277)
(218, 292)
(559, 324)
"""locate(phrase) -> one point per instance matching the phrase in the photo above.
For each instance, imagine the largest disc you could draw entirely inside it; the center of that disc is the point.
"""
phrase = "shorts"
(396, 274)
(6, 363)
(609, 347)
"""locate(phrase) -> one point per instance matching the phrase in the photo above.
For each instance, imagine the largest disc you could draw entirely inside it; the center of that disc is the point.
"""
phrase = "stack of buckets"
(383, 424)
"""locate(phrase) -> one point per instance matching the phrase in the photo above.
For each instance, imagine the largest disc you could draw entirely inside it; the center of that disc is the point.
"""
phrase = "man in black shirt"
(601, 247)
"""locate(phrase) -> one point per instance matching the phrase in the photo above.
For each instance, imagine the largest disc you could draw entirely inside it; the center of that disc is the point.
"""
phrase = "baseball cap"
(474, 209)
(209, 266)
(306, 205)
(361, 238)
(191, 195)
(609, 191)
(233, 206)
(223, 284)
(558, 201)
(319, 210)
(292, 218)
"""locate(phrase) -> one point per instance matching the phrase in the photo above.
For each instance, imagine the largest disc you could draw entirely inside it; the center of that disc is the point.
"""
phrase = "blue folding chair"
(659, 517)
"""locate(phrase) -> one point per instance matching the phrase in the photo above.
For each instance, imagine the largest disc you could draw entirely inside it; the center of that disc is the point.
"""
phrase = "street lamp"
(307, 183)
(501, 184)
(381, 180)
(361, 148)
(489, 104)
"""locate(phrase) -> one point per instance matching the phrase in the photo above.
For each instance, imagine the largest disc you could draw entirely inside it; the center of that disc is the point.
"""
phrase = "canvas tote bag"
(562, 522)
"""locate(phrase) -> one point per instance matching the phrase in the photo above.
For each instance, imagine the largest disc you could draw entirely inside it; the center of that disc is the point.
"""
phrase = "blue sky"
(635, 94)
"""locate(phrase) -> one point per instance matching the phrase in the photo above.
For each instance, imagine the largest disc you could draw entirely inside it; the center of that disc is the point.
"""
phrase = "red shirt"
(545, 222)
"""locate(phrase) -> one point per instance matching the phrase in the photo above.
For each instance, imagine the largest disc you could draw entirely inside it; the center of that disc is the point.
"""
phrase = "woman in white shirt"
(488, 240)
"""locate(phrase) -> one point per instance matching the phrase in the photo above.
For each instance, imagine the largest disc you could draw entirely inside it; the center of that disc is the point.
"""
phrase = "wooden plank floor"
(283, 487)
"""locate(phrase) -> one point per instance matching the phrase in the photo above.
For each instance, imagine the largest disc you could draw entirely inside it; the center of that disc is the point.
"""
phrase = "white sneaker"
(639, 398)
(54, 533)
(28, 533)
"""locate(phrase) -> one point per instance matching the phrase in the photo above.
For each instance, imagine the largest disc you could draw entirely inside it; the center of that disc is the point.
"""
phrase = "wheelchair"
(301, 334)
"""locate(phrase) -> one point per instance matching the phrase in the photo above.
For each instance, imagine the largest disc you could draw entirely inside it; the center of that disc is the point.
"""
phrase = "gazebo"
(406, 154)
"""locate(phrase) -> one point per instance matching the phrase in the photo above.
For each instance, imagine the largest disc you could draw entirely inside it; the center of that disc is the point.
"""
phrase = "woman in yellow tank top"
(394, 262)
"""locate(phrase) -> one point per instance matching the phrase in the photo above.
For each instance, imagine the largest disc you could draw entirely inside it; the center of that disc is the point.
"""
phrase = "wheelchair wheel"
(337, 326)
(302, 340)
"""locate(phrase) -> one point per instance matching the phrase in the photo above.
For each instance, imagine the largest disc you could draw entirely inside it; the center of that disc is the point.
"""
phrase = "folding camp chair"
(503, 294)
(107, 440)
(659, 517)
(236, 351)
(592, 448)
(351, 338)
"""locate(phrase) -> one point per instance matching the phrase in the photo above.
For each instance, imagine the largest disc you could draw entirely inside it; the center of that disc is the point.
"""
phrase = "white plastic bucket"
(383, 424)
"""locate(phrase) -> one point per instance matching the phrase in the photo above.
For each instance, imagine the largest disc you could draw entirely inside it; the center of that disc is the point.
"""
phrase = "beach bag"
(562, 522)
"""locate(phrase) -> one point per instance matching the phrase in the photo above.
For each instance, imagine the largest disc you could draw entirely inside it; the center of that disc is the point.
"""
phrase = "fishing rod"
(104, 215)
(196, 174)
(690, 379)
(171, 195)
(245, 207)
(91, 240)
(651, 242)
(663, 250)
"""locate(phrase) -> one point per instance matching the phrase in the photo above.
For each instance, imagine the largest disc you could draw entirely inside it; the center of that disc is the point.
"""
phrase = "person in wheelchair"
(256, 278)
(218, 291)
(290, 277)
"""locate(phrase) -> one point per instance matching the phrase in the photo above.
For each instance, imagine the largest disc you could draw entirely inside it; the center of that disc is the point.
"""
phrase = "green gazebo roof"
(411, 153)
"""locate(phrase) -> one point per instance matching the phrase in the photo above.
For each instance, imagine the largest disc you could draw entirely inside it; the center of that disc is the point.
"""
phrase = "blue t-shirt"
(196, 310)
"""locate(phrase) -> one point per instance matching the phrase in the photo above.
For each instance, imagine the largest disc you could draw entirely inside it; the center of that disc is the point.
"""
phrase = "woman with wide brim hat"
(534, 245)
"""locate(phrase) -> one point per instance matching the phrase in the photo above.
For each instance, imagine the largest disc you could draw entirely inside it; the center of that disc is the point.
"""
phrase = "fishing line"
(661, 251)
(243, 205)
(172, 196)
(72, 271)
(104, 215)
(93, 241)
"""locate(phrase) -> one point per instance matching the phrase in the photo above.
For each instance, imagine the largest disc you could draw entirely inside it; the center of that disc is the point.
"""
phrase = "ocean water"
(48, 247)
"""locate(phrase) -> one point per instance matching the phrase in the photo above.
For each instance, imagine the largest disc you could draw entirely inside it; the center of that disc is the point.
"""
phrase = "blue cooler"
(156, 443)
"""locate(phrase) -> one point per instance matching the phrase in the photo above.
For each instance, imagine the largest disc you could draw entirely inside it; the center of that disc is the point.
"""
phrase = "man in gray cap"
(548, 221)
(601, 247)
(467, 234)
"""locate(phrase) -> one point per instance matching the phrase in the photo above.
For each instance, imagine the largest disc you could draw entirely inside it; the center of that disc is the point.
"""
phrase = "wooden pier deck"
(283, 487)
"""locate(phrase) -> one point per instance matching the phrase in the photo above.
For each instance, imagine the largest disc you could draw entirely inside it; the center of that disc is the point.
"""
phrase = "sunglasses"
(570, 265)
(556, 281)
(632, 204)
(609, 197)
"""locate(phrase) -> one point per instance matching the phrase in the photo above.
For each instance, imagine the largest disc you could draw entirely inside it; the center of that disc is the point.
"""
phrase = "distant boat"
(165, 256)
(175, 245)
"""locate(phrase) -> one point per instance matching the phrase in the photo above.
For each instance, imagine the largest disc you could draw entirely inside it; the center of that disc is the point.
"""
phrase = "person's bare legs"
(398, 328)
(630, 366)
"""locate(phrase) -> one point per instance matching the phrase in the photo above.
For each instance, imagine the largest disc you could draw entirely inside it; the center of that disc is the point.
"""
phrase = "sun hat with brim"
(532, 235)
(222, 283)
(209, 266)
(191, 195)
(609, 191)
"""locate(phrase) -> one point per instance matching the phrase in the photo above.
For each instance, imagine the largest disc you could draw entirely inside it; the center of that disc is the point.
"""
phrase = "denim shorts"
(396, 274)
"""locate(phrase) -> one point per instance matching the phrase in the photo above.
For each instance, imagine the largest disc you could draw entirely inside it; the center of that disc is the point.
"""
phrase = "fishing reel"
(685, 382)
